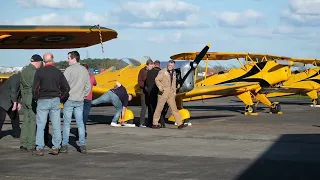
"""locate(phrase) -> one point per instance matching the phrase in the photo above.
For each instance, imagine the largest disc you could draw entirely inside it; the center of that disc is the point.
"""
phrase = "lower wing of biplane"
(310, 87)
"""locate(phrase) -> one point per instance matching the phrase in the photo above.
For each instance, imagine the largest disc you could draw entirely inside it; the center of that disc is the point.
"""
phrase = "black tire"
(251, 108)
(276, 108)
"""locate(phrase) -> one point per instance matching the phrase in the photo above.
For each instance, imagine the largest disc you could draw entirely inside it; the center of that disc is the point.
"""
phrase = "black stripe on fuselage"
(314, 80)
(254, 70)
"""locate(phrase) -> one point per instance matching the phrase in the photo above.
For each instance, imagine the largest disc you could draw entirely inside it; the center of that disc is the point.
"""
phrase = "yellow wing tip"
(208, 45)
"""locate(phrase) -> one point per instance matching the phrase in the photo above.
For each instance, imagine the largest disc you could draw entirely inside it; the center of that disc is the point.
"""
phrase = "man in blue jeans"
(79, 82)
(49, 87)
(119, 97)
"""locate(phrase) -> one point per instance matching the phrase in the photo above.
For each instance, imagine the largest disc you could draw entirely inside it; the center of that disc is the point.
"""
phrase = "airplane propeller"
(289, 63)
(194, 64)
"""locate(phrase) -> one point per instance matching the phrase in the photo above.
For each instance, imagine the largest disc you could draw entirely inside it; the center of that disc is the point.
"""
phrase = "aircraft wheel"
(275, 108)
(251, 108)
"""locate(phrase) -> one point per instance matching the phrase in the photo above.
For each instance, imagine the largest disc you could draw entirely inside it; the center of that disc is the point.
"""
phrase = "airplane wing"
(224, 56)
(53, 37)
(306, 60)
(301, 86)
(222, 89)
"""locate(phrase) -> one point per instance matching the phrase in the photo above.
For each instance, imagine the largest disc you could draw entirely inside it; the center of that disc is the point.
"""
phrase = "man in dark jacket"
(152, 95)
(50, 87)
(141, 80)
(10, 98)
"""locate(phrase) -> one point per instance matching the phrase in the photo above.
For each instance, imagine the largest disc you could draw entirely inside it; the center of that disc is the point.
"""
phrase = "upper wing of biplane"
(224, 89)
(227, 56)
(306, 61)
(53, 37)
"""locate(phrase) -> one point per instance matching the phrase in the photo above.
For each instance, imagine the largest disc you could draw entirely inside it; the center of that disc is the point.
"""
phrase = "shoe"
(64, 149)
(83, 149)
(182, 126)
(54, 151)
(155, 127)
(115, 124)
(39, 152)
(143, 126)
(162, 126)
(23, 148)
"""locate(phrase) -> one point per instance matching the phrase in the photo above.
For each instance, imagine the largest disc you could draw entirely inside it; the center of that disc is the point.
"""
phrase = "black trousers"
(152, 100)
(143, 108)
(15, 120)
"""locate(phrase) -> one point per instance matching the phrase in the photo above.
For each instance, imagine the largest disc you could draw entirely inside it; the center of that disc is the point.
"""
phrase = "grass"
(297, 96)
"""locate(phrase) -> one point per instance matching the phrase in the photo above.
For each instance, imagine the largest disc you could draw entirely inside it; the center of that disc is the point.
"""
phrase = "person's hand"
(160, 89)
(122, 121)
(14, 107)
(19, 106)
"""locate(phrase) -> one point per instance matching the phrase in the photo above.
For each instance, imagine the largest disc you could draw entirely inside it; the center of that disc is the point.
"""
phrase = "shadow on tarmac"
(292, 156)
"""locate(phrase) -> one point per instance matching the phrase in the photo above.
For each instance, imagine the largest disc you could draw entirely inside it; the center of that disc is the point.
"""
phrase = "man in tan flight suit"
(166, 83)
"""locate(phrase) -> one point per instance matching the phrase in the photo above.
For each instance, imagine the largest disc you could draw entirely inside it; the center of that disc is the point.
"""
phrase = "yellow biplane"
(259, 70)
(306, 82)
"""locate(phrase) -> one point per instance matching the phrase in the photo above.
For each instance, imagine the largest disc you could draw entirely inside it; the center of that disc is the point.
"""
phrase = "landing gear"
(251, 110)
(275, 108)
(315, 103)
(185, 116)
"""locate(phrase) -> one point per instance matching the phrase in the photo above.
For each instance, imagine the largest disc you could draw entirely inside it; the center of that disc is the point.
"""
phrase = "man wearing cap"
(28, 128)
(166, 83)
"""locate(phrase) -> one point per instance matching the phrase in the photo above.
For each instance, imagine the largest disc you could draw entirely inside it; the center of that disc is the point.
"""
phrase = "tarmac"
(221, 143)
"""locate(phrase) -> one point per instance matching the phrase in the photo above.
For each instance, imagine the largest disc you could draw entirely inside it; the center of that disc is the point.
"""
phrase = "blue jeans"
(110, 97)
(68, 108)
(86, 111)
(51, 107)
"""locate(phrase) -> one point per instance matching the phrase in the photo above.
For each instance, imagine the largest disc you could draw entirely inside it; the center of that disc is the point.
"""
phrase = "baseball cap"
(36, 58)
(171, 61)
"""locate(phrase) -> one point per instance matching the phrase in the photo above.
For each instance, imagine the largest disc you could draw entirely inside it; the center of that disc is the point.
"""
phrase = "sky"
(161, 28)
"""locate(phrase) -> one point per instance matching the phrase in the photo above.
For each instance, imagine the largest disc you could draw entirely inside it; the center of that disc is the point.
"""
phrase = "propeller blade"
(195, 63)
(200, 56)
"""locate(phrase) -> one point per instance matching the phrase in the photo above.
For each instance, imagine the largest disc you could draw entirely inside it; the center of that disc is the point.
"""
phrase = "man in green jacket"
(28, 129)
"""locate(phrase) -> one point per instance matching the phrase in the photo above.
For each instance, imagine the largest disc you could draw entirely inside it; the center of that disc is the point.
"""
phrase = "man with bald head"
(50, 87)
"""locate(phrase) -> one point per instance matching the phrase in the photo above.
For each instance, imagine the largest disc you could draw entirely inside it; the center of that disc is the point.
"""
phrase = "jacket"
(10, 92)
(150, 84)
(163, 81)
(142, 77)
(26, 82)
(49, 82)
(79, 82)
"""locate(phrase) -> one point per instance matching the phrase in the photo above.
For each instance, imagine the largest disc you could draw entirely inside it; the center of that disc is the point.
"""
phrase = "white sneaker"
(115, 124)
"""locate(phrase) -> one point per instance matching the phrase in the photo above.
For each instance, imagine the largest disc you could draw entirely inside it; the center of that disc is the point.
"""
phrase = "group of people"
(39, 88)
(158, 92)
